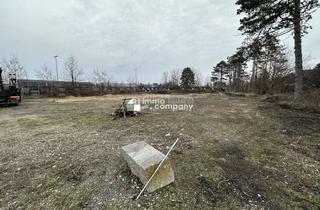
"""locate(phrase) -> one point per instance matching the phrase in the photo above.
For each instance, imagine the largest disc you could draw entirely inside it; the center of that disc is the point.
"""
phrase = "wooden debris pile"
(128, 108)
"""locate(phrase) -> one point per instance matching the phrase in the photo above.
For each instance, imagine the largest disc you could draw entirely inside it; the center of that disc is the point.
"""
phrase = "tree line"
(185, 79)
(269, 63)
(72, 72)
(264, 22)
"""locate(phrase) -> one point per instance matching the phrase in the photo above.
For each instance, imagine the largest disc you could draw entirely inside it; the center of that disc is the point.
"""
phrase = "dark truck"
(9, 94)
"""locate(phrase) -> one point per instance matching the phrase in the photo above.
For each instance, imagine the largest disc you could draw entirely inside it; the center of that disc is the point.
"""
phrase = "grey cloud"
(120, 35)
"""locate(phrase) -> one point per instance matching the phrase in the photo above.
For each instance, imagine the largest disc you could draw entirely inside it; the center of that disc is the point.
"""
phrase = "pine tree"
(220, 71)
(237, 64)
(187, 78)
(255, 53)
(280, 17)
(269, 61)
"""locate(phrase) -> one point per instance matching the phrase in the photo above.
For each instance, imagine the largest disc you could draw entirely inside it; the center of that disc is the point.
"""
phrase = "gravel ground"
(234, 153)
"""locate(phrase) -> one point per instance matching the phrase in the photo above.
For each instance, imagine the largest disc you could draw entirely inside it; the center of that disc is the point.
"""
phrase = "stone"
(143, 160)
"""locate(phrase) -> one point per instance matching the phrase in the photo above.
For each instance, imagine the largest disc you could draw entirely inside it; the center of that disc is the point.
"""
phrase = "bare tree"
(72, 70)
(101, 78)
(174, 78)
(197, 78)
(131, 81)
(13, 67)
(208, 82)
(45, 73)
(165, 78)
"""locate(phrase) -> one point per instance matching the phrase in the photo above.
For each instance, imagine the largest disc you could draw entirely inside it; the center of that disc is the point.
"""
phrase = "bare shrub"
(312, 98)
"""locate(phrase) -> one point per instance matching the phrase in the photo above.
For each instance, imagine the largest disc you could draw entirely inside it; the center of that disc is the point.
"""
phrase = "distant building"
(62, 88)
(44, 87)
(154, 88)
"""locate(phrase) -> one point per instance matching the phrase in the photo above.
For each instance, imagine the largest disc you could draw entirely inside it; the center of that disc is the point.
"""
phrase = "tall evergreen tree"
(280, 17)
(271, 49)
(255, 53)
(237, 63)
(187, 78)
(219, 72)
(269, 60)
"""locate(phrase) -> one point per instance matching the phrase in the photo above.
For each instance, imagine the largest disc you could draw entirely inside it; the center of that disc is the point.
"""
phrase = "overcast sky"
(121, 35)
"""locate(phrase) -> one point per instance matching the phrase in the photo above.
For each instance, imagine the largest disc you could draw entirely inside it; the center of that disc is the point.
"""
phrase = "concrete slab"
(143, 160)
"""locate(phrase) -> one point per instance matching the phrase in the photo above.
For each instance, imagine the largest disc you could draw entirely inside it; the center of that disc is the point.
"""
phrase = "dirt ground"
(234, 153)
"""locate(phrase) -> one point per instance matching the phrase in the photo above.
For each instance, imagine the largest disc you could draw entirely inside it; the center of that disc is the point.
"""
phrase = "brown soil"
(234, 153)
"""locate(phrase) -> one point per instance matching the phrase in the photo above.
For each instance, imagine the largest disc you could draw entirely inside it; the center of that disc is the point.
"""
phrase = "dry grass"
(235, 152)
(312, 99)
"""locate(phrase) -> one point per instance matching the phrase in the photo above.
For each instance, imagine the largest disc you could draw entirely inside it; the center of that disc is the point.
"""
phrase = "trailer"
(10, 94)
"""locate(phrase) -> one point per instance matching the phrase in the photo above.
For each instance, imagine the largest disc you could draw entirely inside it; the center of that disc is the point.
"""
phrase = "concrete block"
(143, 160)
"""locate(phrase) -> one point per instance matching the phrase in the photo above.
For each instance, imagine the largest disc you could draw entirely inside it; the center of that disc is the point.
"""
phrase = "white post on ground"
(159, 166)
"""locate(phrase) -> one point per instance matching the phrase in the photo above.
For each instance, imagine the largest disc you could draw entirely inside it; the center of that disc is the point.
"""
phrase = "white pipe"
(154, 173)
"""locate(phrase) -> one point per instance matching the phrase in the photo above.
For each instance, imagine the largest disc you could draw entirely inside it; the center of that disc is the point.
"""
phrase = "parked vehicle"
(10, 94)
